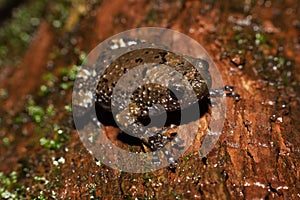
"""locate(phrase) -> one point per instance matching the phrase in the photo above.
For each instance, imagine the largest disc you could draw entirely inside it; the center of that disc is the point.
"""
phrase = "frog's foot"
(227, 91)
(159, 141)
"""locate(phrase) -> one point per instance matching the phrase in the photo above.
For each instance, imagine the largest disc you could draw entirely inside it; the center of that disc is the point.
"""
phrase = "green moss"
(35, 112)
(68, 76)
(257, 47)
(6, 141)
(68, 108)
(259, 38)
(38, 113)
(19, 119)
(54, 136)
(66, 86)
(44, 90)
(70, 73)
(40, 197)
(58, 13)
(9, 188)
(58, 139)
(49, 78)
(50, 111)
(16, 33)
(82, 57)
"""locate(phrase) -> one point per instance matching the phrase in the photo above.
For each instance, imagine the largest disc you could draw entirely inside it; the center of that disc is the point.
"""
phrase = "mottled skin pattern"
(138, 57)
(149, 94)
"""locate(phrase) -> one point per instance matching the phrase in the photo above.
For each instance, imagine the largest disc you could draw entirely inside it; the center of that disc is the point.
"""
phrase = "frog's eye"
(203, 64)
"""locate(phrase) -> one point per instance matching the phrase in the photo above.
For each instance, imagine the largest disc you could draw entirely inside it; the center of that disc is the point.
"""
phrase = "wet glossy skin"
(150, 94)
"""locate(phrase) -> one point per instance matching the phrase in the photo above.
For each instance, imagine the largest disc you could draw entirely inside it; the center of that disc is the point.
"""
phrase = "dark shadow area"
(128, 139)
(190, 114)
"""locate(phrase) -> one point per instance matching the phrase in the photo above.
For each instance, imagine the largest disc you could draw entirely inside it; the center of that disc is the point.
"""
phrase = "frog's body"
(155, 93)
(151, 94)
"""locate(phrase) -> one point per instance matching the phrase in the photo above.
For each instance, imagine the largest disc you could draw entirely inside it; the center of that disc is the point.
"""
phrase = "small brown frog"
(149, 101)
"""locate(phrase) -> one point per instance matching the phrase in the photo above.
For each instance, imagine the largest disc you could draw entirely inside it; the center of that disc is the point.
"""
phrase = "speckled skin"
(157, 93)
(149, 94)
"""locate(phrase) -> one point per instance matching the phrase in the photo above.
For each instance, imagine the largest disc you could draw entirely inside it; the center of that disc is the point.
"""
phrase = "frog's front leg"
(152, 138)
(227, 91)
(159, 141)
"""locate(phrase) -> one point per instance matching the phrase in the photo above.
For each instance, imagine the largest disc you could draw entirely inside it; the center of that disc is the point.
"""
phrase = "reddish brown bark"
(256, 157)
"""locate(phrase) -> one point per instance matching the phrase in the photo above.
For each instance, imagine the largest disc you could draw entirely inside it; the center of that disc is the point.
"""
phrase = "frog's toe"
(227, 91)
(172, 163)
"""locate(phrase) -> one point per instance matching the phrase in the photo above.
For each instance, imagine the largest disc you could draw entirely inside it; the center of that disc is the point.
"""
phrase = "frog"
(149, 95)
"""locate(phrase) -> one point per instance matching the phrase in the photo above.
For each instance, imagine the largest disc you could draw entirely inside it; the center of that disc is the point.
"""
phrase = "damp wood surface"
(254, 44)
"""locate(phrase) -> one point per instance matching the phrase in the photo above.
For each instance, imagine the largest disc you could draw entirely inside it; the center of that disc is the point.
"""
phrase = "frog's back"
(171, 95)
